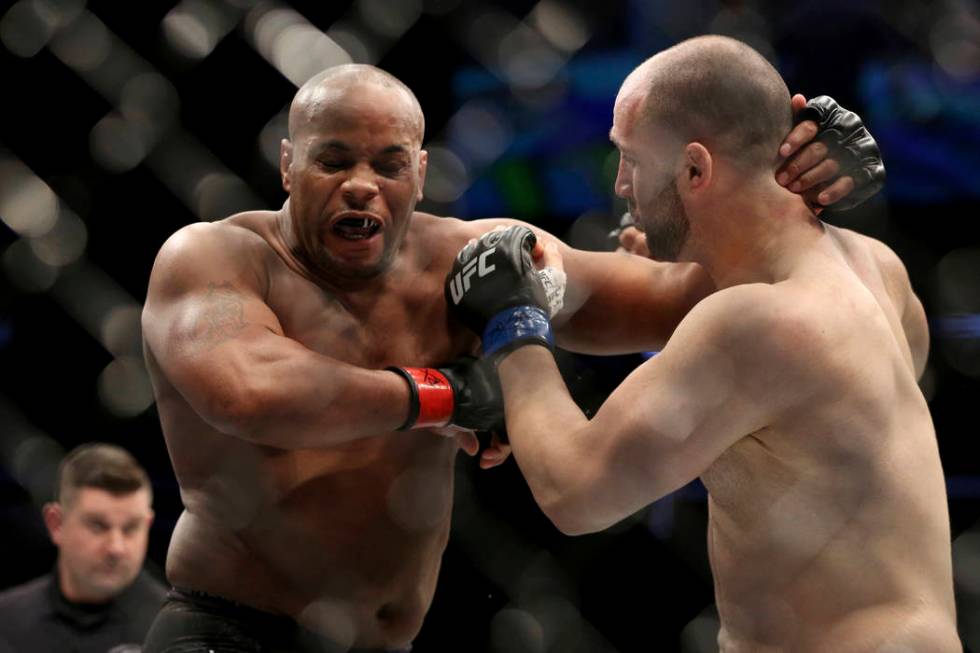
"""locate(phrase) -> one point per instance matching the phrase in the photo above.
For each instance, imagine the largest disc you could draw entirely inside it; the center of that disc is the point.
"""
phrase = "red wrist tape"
(433, 395)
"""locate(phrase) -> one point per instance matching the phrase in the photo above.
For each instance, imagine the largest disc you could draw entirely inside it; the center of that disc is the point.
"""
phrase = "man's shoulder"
(236, 246)
(762, 321)
(742, 310)
(237, 232)
(458, 229)
(32, 588)
(888, 262)
(443, 227)
(20, 603)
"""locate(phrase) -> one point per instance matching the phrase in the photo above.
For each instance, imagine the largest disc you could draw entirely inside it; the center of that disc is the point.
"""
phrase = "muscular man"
(308, 518)
(791, 392)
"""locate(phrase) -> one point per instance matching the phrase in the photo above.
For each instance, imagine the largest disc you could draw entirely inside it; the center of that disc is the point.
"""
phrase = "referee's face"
(101, 540)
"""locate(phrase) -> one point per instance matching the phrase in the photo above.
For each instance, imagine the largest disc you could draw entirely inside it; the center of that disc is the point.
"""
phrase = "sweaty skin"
(266, 336)
(795, 401)
(791, 392)
(304, 501)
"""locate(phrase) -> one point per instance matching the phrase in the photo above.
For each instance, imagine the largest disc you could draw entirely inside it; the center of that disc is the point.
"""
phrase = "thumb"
(550, 257)
(468, 443)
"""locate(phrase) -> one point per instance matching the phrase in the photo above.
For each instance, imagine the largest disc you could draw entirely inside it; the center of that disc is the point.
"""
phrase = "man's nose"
(116, 544)
(622, 184)
(360, 187)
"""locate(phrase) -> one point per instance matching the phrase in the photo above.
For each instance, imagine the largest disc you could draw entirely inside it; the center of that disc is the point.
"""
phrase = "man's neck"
(754, 235)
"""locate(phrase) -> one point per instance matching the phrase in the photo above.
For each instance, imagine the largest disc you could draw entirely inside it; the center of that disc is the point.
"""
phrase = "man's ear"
(285, 163)
(423, 165)
(698, 167)
(54, 517)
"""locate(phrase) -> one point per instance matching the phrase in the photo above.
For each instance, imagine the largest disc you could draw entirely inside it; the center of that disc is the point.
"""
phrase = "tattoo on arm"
(223, 317)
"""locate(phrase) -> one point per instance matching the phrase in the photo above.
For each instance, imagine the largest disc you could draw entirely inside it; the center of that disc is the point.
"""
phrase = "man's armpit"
(222, 316)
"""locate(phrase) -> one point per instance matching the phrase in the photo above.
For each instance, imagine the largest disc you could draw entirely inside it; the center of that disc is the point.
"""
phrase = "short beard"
(667, 231)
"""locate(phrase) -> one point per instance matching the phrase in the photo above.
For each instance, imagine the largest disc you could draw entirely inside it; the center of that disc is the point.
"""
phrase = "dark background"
(124, 121)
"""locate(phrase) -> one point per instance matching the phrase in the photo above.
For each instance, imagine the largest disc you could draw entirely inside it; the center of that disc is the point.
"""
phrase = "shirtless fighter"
(310, 522)
(791, 392)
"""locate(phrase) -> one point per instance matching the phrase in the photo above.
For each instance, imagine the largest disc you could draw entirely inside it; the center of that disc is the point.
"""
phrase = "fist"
(494, 289)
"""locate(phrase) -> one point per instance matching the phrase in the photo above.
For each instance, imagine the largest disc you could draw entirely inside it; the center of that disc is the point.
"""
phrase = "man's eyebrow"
(332, 144)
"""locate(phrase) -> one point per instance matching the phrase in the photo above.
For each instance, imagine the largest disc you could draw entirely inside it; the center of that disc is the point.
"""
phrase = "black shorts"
(194, 622)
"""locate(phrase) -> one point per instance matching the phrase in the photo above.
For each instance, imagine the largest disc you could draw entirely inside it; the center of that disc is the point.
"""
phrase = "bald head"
(332, 84)
(719, 92)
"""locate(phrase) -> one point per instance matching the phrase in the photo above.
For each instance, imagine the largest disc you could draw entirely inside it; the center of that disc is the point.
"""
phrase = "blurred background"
(124, 121)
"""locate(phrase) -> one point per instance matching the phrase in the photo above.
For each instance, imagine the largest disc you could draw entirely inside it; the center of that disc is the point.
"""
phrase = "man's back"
(829, 528)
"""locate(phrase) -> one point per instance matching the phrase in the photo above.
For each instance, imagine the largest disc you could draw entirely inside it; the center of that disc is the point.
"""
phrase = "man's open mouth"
(356, 227)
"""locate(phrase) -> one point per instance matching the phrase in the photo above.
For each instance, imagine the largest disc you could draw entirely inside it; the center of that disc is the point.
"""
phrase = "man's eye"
(333, 165)
(390, 168)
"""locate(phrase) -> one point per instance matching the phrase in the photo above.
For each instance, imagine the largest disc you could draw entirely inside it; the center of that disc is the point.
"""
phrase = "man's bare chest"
(408, 326)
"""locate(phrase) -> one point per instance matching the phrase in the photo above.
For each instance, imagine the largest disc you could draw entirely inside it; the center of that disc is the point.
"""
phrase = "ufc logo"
(460, 283)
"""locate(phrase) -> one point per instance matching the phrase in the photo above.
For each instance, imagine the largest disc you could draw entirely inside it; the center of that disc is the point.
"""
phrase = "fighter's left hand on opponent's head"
(835, 160)
(495, 290)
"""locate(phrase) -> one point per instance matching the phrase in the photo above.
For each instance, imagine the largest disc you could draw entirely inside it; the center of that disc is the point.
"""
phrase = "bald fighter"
(791, 392)
(316, 484)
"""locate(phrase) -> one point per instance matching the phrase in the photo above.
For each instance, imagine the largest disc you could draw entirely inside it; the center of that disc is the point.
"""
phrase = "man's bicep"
(216, 312)
(621, 303)
(203, 302)
(616, 302)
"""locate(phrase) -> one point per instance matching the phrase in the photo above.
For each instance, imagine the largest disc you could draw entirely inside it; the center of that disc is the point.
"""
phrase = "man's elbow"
(239, 411)
(571, 517)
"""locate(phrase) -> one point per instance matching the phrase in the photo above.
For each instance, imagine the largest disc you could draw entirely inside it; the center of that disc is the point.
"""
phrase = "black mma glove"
(494, 289)
(464, 393)
(851, 145)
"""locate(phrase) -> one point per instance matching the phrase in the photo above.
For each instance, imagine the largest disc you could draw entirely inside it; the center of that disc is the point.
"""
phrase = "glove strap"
(431, 402)
(516, 326)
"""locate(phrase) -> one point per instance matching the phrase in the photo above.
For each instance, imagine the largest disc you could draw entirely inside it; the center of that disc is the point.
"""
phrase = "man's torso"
(829, 528)
(343, 537)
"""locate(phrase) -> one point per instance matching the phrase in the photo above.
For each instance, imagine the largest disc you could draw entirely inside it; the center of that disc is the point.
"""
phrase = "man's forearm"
(280, 394)
(547, 433)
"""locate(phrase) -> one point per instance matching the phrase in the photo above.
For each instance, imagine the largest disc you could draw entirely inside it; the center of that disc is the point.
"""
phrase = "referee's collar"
(82, 615)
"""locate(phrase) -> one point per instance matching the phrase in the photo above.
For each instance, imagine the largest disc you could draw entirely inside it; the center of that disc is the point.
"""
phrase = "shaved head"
(719, 92)
(334, 83)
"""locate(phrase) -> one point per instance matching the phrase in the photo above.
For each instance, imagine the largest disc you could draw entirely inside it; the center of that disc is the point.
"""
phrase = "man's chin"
(354, 267)
(103, 589)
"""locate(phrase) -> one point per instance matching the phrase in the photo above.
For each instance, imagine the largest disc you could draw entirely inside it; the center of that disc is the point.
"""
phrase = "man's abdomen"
(348, 544)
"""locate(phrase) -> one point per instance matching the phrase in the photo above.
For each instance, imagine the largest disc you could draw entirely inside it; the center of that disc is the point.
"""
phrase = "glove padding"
(494, 289)
(464, 393)
(850, 144)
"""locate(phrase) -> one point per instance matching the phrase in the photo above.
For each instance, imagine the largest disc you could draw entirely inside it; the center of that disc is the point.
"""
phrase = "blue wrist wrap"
(517, 323)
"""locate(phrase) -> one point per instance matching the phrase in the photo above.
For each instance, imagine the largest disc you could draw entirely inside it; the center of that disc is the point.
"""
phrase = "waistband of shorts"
(227, 607)
(233, 609)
